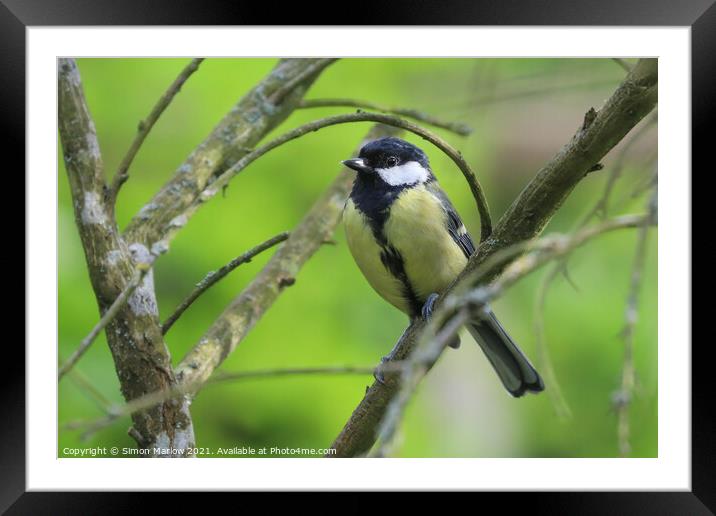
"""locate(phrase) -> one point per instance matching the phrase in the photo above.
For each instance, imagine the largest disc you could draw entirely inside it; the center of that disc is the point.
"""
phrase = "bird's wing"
(455, 227)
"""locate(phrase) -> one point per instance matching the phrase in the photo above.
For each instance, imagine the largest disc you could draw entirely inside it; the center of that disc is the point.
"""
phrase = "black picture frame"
(700, 15)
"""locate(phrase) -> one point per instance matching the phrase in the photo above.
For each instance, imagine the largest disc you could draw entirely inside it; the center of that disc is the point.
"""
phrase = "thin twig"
(139, 273)
(601, 208)
(452, 153)
(455, 127)
(115, 412)
(623, 397)
(489, 99)
(86, 387)
(311, 71)
(145, 126)
(215, 276)
(623, 63)
(544, 361)
(385, 367)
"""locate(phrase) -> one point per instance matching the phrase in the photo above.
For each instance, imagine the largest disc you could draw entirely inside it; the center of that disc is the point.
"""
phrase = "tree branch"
(455, 127)
(145, 126)
(241, 129)
(140, 356)
(215, 276)
(634, 98)
(245, 311)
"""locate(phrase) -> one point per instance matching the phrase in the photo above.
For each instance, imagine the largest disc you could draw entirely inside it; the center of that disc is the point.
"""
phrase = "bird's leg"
(427, 312)
(378, 372)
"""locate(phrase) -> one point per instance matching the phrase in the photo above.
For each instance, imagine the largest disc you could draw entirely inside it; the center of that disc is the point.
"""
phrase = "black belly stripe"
(373, 199)
(393, 261)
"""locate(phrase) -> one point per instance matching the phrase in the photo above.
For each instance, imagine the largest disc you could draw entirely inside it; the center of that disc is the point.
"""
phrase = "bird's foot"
(427, 312)
(429, 305)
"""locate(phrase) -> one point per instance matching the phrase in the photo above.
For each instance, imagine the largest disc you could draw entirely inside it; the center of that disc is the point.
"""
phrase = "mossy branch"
(140, 356)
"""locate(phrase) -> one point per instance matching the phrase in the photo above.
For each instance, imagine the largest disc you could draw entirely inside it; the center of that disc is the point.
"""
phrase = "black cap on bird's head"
(395, 161)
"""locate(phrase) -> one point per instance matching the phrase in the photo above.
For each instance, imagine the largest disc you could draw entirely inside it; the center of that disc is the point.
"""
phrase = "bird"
(410, 243)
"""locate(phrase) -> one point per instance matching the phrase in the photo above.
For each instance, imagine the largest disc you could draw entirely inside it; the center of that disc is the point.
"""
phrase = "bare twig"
(145, 126)
(623, 63)
(111, 313)
(387, 367)
(215, 276)
(633, 99)
(115, 412)
(489, 99)
(544, 362)
(87, 388)
(601, 208)
(453, 154)
(309, 73)
(623, 397)
(455, 127)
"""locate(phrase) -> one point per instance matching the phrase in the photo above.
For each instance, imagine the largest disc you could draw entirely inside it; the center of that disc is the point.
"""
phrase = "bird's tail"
(512, 366)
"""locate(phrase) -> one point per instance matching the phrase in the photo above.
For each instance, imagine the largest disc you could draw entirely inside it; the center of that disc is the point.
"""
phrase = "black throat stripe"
(373, 199)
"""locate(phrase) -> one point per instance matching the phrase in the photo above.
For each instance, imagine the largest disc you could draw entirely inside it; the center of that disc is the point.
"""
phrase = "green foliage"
(522, 111)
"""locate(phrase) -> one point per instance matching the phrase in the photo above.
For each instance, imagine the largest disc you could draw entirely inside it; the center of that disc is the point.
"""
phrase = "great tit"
(410, 244)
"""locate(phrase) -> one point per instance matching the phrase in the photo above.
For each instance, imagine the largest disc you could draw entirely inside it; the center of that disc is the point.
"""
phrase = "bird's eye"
(392, 161)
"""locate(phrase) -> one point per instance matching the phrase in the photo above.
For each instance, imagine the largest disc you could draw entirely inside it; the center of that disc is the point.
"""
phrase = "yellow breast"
(416, 228)
(366, 253)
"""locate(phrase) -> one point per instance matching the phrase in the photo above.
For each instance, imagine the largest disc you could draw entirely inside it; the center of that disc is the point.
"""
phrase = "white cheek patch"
(408, 173)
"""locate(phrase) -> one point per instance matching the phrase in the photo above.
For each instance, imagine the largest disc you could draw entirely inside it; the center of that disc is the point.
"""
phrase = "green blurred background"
(522, 111)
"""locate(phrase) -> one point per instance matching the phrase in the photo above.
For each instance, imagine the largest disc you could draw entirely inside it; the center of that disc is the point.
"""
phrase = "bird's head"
(393, 161)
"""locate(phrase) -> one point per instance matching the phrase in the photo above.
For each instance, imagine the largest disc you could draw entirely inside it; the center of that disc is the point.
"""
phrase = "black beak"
(358, 165)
